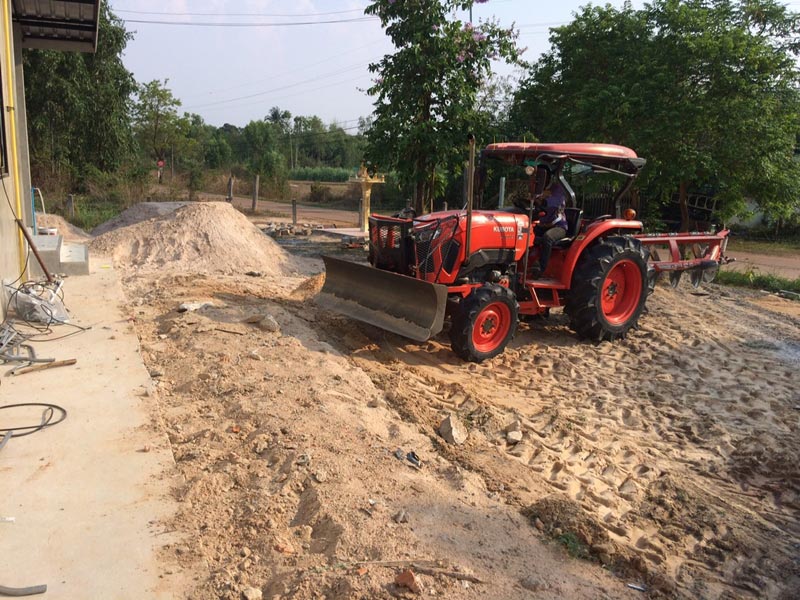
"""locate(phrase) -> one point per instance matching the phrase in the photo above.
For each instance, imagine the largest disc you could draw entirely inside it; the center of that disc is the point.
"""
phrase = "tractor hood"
(492, 229)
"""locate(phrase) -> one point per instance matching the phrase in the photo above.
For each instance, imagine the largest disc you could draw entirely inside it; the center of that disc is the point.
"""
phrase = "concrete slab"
(74, 259)
(88, 501)
(49, 247)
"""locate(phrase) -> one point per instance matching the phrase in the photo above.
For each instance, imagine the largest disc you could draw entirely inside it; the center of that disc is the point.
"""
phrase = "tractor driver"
(552, 225)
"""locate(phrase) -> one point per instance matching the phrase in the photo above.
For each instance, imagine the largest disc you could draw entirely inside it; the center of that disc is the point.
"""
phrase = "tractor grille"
(433, 243)
(390, 244)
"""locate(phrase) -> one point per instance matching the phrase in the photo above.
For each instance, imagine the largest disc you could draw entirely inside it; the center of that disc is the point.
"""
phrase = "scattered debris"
(193, 306)
(231, 331)
(399, 454)
(264, 322)
(320, 476)
(408, 579)
(514, 437)
(43, 367)
(534, 584)
(401, 517)
(453, 430)
(268, 323)
(251, 593)
(254, 274)
(637, 587)
(415, 461)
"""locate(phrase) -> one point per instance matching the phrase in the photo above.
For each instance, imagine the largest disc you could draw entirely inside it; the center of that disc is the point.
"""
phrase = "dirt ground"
(668, 460)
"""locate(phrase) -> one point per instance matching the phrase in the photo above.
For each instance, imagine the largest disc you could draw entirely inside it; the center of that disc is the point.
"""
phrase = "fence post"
(230, 189)
(71, 206)
(294, 211)
(255, 193)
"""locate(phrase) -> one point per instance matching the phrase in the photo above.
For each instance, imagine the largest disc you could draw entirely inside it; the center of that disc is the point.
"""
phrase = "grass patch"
(90, 213)
(574, 546)
(751, 278)
(321, 174)
(772, 248)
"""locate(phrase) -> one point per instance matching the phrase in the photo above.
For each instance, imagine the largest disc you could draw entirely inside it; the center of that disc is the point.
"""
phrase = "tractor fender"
(588, 236)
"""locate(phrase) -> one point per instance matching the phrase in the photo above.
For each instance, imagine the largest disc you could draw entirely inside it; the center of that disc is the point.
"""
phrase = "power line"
(290, 71)
(211, 24)
(278, 89)
(213, 14)
(321, 87)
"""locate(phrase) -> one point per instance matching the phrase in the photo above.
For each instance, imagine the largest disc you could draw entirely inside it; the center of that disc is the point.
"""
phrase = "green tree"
(264, 154)
(425, 93)
(706, 90)
(79, 105)
(156, 119)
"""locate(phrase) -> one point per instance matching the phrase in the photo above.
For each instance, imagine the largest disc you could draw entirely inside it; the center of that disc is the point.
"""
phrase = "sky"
(235, 74)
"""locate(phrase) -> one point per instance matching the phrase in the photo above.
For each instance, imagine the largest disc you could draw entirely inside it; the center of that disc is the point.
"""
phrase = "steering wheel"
(406, 213)
(524, 203)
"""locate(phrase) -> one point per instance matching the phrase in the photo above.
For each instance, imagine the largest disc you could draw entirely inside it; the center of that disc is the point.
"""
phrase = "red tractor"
(477, 266)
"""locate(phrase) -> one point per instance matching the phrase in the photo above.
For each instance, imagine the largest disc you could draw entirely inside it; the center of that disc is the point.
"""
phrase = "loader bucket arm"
(403, 305)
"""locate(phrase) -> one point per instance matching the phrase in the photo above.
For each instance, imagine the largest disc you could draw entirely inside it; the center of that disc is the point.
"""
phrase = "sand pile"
(67, 230)
(138, 213)
(211, 237)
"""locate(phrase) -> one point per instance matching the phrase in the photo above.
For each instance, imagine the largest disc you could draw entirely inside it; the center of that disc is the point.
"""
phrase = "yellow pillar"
(366, 195)
(12, 129)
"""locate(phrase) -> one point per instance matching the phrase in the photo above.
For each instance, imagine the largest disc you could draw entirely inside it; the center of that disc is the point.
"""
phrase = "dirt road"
(305, 213)
(784, 266)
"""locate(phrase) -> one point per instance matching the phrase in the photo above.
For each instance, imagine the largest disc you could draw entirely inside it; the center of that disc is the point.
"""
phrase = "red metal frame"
(716, 243)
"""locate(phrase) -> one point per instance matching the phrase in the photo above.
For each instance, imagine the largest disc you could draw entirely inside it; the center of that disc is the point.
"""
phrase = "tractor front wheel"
(484, 323)
(609, 289)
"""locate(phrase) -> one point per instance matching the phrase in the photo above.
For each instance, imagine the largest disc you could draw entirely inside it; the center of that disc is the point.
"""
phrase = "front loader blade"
(397, 303)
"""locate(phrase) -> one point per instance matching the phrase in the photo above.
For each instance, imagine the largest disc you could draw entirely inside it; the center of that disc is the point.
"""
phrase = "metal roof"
(58, 24)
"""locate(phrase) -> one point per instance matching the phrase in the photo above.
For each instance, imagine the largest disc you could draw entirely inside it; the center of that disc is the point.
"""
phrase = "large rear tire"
(484, 323)
(609, 289)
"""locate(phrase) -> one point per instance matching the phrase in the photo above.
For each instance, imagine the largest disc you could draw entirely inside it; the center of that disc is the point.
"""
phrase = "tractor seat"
(574, 216)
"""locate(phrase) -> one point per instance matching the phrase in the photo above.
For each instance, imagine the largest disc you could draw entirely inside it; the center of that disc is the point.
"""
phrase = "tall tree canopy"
(79, 105)
(706, 90)
(157, 124)
(425, 93)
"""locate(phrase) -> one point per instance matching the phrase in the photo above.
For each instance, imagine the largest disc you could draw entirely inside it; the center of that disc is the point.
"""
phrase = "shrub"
(334, 174)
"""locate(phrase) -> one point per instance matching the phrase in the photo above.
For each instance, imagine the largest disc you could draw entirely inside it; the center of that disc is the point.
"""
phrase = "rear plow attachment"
(698, 253)
(403, 305)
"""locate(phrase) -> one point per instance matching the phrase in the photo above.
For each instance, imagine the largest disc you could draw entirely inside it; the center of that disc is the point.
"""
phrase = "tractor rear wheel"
(484, 323)
(609, 289)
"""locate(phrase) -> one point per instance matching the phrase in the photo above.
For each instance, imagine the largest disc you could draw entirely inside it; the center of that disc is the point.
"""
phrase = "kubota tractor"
(476, 267)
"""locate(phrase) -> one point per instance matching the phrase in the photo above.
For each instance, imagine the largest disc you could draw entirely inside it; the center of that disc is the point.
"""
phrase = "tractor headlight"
(428, 235)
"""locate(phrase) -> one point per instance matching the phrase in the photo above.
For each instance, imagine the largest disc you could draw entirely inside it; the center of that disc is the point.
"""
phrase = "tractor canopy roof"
(607, 155)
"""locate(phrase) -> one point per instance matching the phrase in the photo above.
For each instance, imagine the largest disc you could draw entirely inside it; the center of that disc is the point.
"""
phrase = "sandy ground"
(667, 460)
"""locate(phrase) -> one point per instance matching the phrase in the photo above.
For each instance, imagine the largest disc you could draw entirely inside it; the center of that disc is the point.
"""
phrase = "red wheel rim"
(622, 290)
(491, 327)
